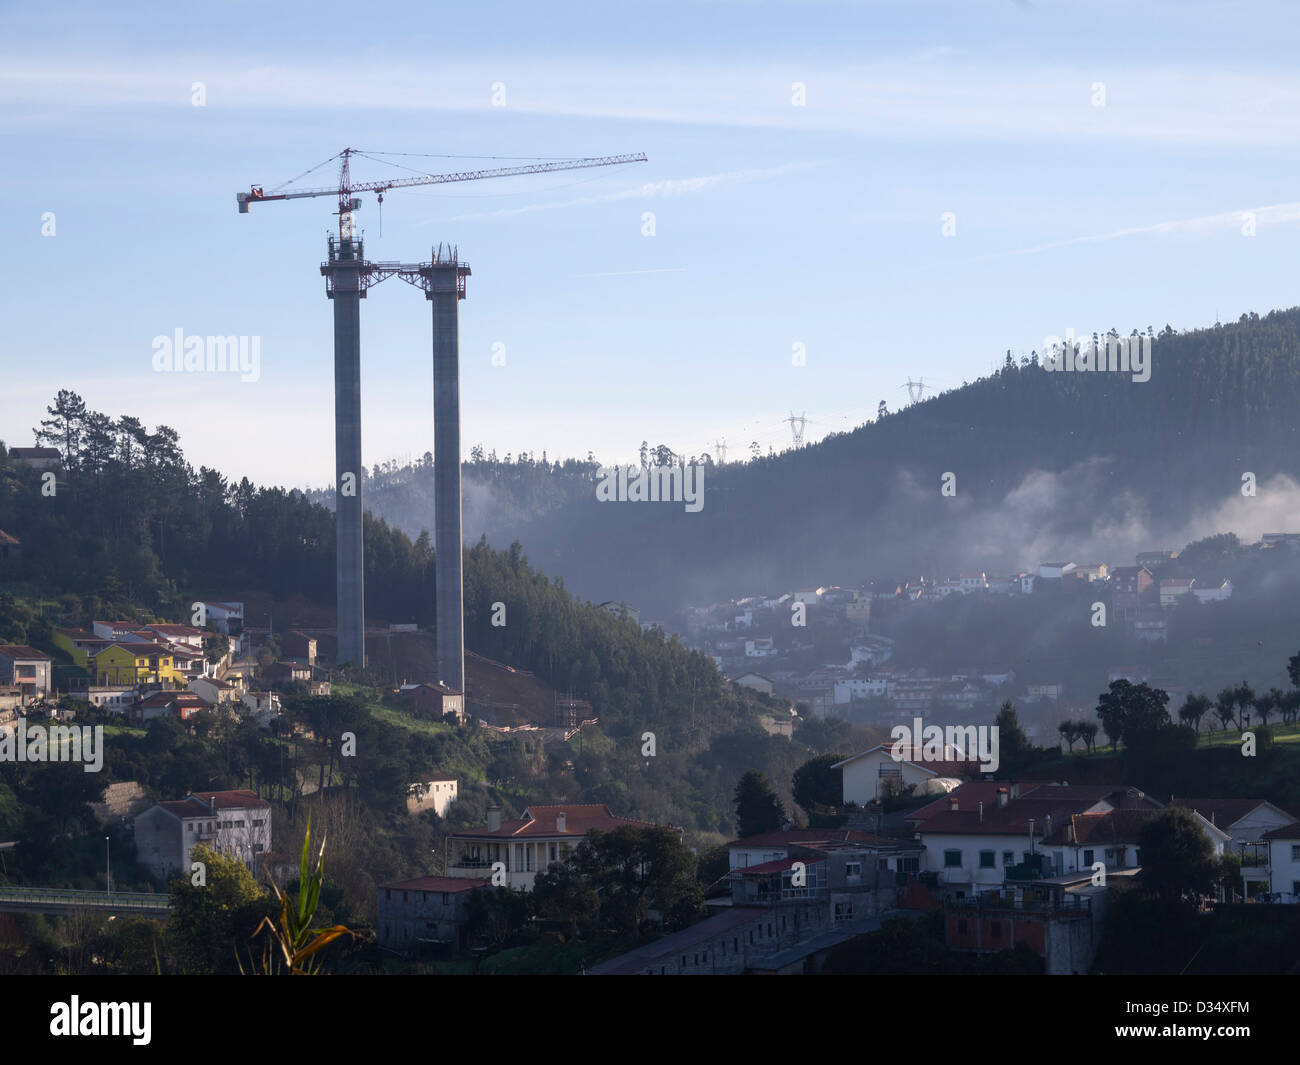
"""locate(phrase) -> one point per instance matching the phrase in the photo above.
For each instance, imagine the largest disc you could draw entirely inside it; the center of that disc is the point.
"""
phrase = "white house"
(760, 647)
(975, 834)
(1284, 862)
(436, 794)
(1246, 821)
(236, 823)
(1054, 571)
(875, 772)
(809, 596)
(974, 582)
(26, 669)
(527, 846)
(214, 691)
(226, 618)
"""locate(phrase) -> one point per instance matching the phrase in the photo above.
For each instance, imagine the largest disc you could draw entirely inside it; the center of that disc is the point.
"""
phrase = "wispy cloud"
(1228, 221)
(935, 94)
(649, 190)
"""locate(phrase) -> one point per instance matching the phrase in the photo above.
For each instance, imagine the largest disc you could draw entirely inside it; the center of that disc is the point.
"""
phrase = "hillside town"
(779, 644)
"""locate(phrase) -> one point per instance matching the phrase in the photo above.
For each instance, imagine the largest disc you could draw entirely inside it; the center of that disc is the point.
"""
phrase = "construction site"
(442, 278)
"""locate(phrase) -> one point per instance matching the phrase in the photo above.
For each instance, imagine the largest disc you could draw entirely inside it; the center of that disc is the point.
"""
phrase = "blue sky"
(775, 224)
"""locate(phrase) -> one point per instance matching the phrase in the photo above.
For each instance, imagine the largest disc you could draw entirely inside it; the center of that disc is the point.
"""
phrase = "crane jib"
(346, 188)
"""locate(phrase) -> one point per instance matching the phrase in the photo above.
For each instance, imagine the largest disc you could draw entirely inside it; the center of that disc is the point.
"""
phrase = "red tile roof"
(1224, 812)
(185, 808)
(22, 651)
(78, 634)
(580, 818)
(806, 836)
(1115, 826)
(939, 767)
(1291, 831)
(223, 799)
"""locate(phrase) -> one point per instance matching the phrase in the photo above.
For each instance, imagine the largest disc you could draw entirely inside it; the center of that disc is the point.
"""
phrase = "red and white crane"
(347, 189)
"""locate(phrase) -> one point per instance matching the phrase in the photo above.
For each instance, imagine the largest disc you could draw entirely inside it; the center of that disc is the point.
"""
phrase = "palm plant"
(291, 934)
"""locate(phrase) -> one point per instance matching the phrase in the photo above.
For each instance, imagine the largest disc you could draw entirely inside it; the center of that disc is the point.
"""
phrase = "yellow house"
(127, 663)
(79, 644)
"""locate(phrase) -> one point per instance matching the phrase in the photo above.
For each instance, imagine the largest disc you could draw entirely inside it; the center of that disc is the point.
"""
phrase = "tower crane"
(348, 275)
(347, 189)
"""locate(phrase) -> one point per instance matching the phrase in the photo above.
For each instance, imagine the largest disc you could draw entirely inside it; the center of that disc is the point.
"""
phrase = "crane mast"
(347, 277)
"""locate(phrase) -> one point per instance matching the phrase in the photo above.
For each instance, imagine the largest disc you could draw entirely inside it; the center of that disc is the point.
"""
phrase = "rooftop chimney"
(952, 803)
(560, 820)
(494, 818)
(981, 813)
(1003, 796)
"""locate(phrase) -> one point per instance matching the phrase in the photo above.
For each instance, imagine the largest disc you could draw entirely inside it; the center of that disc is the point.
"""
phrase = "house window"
(987, 859)
(735, 944)
(909, 865)
(952, 859)
(553, 852)
(444, 898)
(257, 847)
(844, 911)
(1008, 857)
(1295, 852)
(853, 869)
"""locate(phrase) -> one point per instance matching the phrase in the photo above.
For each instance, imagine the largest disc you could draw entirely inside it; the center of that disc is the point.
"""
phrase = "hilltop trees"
(1129, 711)
(757, 807)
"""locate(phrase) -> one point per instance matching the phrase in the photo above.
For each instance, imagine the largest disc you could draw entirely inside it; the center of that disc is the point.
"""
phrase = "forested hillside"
(1046, 465)
(130, 526)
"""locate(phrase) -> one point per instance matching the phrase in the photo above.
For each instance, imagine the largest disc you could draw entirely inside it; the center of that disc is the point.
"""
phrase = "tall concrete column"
(444, 289)
(344, 271)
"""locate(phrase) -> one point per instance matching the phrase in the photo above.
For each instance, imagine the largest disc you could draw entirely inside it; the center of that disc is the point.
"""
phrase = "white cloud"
(935, 95)
(649, 190)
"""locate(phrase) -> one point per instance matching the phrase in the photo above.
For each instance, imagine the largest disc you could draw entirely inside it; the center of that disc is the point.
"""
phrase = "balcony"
(467, 862)
(999, 902)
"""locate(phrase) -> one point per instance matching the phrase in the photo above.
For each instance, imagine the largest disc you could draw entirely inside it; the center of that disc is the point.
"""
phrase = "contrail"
(1278, 212)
